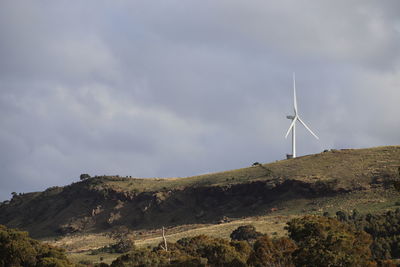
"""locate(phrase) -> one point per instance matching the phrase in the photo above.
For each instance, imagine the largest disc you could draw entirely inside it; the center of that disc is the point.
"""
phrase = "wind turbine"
(295, 118)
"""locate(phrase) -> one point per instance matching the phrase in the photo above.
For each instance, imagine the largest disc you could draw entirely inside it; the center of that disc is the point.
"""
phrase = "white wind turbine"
(294, 119)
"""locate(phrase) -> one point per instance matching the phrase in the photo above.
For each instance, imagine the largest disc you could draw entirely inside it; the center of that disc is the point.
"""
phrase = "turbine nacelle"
(290, 117)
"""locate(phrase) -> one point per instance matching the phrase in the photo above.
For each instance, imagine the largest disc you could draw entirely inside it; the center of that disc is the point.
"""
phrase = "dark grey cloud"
(172, 88)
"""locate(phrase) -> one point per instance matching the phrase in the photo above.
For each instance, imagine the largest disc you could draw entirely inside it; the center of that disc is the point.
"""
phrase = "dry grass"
(82, 243)
(348, 166)
(79, 246)
(272, 225)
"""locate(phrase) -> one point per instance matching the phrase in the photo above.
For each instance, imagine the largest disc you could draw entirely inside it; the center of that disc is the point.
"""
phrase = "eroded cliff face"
(82, 207)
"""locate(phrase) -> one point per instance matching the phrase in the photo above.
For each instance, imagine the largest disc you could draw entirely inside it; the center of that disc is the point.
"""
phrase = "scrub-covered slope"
(105, 202)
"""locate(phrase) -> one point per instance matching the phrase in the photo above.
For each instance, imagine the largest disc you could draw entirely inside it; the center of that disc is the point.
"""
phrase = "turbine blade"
(302, 122)
(290, 127)
(294, 94)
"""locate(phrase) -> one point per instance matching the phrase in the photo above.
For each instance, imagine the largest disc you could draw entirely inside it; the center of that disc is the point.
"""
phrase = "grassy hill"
(346, 165)
(264, 194)
(103, 202)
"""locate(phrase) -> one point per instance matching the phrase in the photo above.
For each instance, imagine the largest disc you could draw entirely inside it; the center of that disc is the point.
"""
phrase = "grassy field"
(349, 166)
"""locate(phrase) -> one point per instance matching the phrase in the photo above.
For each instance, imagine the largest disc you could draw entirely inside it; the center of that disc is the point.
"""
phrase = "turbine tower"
(295, 118)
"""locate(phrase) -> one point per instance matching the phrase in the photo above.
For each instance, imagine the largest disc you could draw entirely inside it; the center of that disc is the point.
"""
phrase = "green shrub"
(140, 257)
(217, 251)
(53, 262)
(84, 176)
(325, 241)
(245, 232)
(192, 251)
(122, 246)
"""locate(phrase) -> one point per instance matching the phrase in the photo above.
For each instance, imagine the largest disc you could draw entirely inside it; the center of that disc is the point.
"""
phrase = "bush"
(217, 251)
(140, 257)
(245, 232)
(123, 246)
(188, 261)
(53, 262)
(342, 216)
(84, 176)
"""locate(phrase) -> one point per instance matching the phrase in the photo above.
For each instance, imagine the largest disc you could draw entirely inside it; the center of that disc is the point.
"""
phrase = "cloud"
(174, 88)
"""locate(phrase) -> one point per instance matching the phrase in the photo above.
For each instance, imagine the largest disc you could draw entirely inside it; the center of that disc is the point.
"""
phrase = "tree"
(84, 176)
(217, 251)
(324, 241)
(268, 252)
(140, 257)
(18, 249)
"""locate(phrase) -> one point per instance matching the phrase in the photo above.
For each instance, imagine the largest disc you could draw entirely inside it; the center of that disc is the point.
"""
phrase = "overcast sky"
(180, 88)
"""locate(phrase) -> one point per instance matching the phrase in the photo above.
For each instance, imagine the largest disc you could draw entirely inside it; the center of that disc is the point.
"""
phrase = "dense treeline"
(384, 229)
(312, 241)
(208, 251)
(347, 240)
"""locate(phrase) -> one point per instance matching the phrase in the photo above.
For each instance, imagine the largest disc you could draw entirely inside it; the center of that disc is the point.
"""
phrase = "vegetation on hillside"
(316, 184)
(314, 241)
(18, 249)
(383, 228)
(325, 241)
(348, 168)
(348, 240)
(101, 203)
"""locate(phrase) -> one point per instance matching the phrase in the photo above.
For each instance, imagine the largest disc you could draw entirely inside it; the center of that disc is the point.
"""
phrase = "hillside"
(337, 179)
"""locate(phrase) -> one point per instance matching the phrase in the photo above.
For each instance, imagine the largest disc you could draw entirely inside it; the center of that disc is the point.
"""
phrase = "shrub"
(217, 251)
(122, 246)
(245, 232)
(53, 262)
(341, 216)
(84, 176)
(188, 261)
(140, 257)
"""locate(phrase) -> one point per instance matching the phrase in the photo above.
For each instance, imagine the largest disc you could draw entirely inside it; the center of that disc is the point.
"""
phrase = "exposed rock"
(114, 217)
(97, 210)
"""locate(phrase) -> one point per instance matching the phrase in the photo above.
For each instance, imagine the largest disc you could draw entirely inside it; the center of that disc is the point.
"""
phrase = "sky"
(170, 88)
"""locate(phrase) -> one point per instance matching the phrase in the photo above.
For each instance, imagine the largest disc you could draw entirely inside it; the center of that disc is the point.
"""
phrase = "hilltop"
(328, 181)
